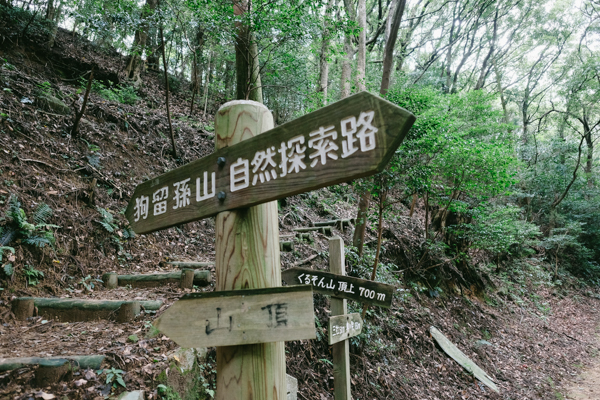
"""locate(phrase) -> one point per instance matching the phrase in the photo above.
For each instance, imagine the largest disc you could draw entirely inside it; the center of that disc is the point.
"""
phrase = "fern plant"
(36, 233)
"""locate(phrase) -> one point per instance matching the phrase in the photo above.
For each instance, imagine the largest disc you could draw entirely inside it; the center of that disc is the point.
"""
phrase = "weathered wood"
(83, 362)
(201, 278)
(23, 308)
(340, 223)
(191, 264)
(83, 310)
(342, 327)
(347, 287)
(128, 311)
(462, 359)
(187, 279)
(286, 246)
(111, 280)
(352, 138)
(247, 257)
(340, 350)
(51, 373)
(325, 230)
(305, 236)
(235, 317)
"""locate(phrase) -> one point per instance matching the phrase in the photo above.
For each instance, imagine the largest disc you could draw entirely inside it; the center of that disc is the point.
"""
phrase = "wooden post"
(341, 350)
(128, 311)
(247, 257)
(111, 280)
(23, 308)
(187, 279)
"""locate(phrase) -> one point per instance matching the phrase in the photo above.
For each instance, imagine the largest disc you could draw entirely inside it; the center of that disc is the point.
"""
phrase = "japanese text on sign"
(292, 156)
(342, 286)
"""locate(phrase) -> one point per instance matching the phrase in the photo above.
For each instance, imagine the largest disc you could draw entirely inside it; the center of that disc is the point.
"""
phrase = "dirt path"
(586, 385)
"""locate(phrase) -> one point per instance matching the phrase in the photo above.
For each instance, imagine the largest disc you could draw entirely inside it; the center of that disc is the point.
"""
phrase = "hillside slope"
(528, 334)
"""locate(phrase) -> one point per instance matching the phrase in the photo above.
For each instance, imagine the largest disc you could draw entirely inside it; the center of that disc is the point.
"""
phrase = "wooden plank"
(247, 257)
(235, 317)
(342, 327)
(352, 138)
(341, 350)
(462, 359)
(347, 287)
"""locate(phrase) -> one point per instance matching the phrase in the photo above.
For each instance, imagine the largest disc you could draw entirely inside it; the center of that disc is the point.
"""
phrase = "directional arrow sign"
(342, 327)
(345, 287)
(236, 317)
(352, 138)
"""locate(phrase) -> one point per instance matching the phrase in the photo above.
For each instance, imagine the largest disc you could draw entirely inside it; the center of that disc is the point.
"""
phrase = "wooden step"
(73, 310)
(83, 362)
(201, 278)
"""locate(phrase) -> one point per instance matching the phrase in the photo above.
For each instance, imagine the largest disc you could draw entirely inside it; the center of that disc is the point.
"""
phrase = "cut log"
(187, 279)
(83, 362)
(52, 372)
(110, 280)
(72, 310)
(201, 278)
(128, 311)
(286, 246)
(191, 264)
(325, 230)
(23, 308)
(340, 223)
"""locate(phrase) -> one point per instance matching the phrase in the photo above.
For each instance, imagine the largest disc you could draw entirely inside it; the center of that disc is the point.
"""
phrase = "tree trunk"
(362, 49)
(323, 62)
(134, 65)
(162, 47)
(388, 58)
(590, 153)
(345, 80)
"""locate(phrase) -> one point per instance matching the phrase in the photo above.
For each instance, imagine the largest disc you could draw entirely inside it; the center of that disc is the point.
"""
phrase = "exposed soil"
(530, 338)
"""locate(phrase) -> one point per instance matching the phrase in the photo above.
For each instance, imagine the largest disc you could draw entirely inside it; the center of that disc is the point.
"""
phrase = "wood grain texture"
(340, 350)
(247, 257)
(462, 359)
(392, 124)
(236, 317)
(363, 290)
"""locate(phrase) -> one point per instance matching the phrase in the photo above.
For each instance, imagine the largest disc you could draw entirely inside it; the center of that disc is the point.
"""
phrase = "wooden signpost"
(346, 287)
(349, 139)
(352, 138)
(236, 317)
(343, 327)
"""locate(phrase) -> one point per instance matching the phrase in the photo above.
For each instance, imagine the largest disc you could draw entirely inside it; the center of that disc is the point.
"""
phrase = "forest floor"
(532, 335)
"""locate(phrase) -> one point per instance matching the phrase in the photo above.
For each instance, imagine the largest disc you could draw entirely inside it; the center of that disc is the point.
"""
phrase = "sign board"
(346, 287)
(349, 139)
(236, 317)
(342, 327)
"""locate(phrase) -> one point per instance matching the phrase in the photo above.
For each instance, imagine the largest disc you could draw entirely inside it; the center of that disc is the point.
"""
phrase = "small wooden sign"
(342, 327)
(236, 317)
(346, 287)
(352, 138)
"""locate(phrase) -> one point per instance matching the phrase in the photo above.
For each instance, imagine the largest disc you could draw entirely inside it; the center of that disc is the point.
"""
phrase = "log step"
(340, 223)
(191, 264)
(83, 362)
(325, 230)
(201, 278)
(73, 310)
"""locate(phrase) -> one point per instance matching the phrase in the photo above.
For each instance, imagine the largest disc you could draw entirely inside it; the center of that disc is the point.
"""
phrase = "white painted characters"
(320, 146)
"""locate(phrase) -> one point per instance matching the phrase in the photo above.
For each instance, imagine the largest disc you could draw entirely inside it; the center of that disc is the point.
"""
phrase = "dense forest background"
(506, 94)
(486, 219)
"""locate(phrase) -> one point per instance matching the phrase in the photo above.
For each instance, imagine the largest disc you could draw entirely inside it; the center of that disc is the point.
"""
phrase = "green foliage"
(113, 376)
(118, 94)
(38, 233)
(32, 275)
(498, 230)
